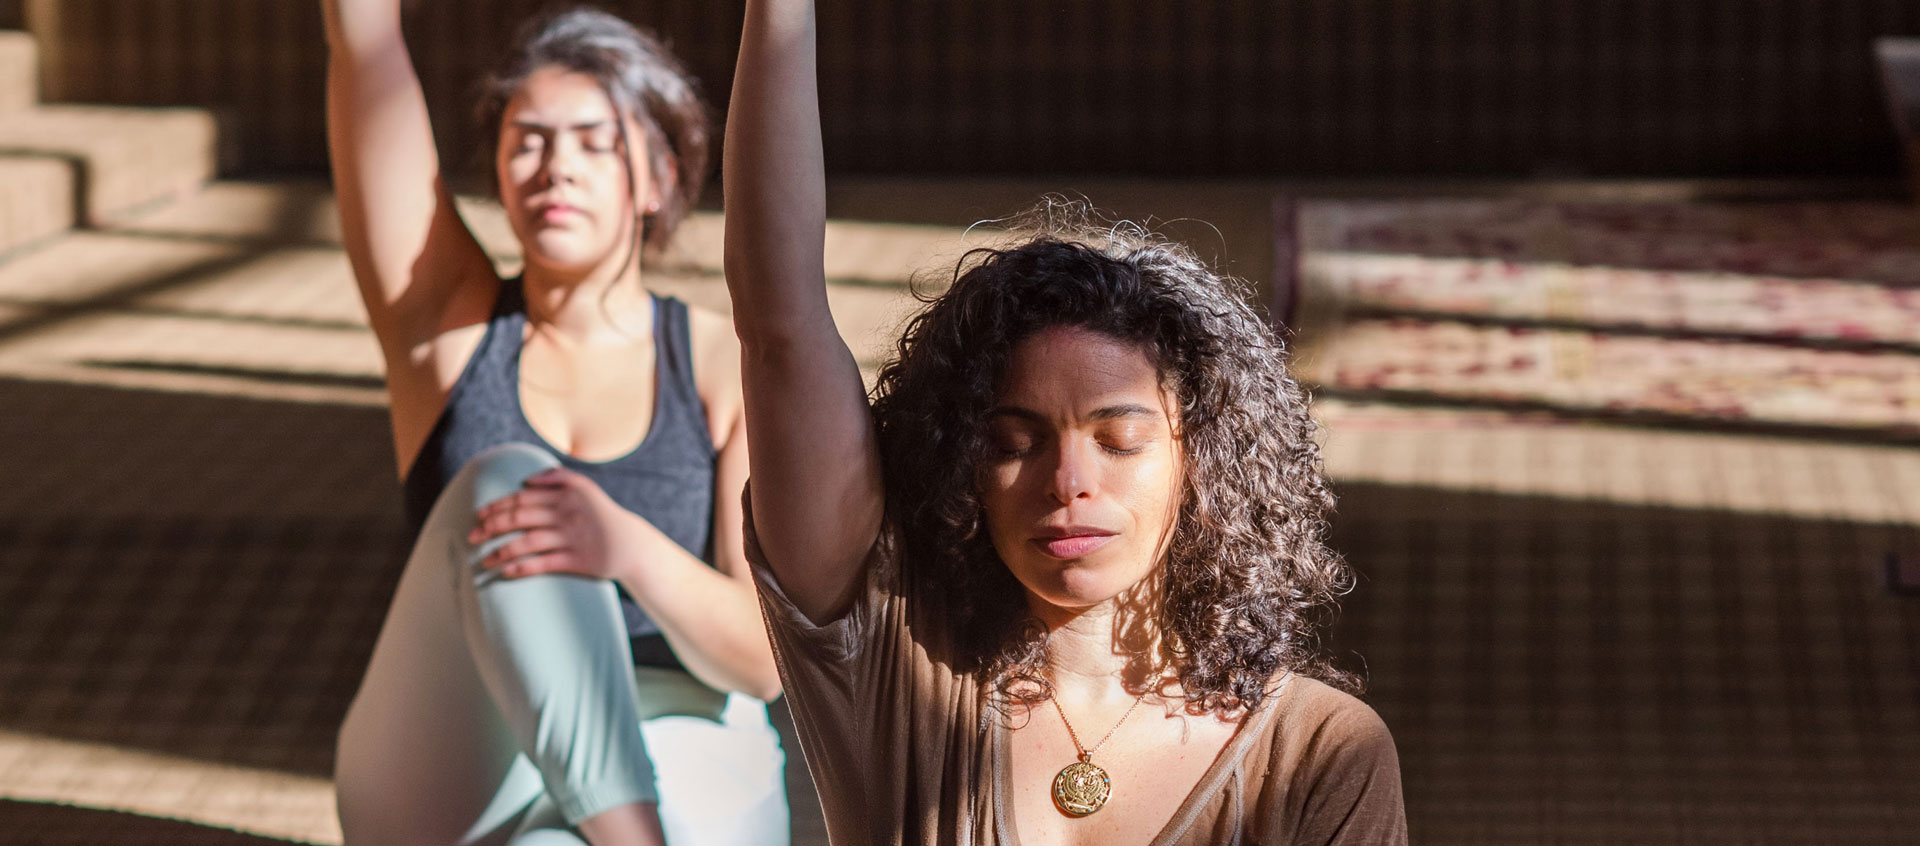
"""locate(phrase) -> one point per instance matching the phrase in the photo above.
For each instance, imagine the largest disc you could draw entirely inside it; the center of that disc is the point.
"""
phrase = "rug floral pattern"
(1797, 314)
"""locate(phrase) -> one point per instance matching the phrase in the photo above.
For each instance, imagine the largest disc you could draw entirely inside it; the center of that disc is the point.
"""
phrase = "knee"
(500, 471)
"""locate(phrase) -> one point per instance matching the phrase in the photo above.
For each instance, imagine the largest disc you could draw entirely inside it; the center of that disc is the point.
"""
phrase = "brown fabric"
(903, 750)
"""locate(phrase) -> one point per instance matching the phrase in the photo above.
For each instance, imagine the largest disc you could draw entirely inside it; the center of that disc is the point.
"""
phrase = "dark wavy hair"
(646, 84)
(1249, 580)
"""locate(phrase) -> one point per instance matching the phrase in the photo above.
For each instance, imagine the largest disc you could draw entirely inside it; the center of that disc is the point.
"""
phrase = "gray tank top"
(668, 478)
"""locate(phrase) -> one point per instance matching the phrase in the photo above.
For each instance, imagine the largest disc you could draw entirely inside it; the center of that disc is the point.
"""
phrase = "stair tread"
(19, 71)
(87, 128)
(38, 200)
(129, 156)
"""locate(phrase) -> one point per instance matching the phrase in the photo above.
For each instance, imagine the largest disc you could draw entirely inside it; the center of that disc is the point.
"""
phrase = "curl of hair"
(1249, 581)
(646, 84)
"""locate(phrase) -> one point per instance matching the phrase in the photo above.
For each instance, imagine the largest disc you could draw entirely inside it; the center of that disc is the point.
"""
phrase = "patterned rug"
(1801, 315)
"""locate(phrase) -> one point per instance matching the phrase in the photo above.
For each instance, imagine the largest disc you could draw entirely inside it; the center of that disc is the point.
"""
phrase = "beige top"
(903, 750)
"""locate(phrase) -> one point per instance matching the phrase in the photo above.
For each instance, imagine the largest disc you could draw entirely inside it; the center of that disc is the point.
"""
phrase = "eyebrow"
(1111, 412)
(572, 127)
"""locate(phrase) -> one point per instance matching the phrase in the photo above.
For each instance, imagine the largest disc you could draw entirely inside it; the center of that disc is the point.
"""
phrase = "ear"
(666, 179)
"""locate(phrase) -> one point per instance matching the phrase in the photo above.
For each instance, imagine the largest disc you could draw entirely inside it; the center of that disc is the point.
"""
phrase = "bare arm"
(710, 615)
(817, 498)
(409, 249)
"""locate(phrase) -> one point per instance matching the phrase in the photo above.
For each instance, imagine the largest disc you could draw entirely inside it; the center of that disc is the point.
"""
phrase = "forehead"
(1072, 367)
(559, 97)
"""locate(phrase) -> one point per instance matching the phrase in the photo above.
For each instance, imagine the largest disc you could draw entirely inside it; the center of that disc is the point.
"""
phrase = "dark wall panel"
(1162, 87)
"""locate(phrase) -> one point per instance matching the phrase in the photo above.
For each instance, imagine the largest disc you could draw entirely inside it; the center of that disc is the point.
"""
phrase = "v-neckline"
(660, 368)
(1183, 817)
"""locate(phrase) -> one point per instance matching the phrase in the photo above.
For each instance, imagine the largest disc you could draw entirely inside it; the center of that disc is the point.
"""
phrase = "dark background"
(1167, 88)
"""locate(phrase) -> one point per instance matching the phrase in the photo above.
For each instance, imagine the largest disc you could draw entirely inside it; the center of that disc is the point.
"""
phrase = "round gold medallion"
(1081, 788)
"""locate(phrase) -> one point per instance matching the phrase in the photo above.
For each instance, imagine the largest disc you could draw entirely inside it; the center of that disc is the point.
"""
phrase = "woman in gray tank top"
(574, 651)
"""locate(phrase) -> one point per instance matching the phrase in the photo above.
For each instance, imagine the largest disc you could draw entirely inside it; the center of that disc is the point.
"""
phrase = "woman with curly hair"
(1060, 581)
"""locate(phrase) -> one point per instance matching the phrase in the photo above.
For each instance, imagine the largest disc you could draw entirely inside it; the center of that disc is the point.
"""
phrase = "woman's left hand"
(567, 525)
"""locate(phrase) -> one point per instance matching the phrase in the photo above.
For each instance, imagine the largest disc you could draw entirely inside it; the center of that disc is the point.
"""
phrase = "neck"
(1107, 652)
(603, 305)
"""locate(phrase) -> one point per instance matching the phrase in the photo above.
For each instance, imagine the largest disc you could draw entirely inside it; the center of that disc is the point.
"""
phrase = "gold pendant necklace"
(1082, 788)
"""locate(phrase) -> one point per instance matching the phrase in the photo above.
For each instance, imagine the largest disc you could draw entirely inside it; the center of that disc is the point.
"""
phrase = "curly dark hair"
(646, 83)
(1249, 580)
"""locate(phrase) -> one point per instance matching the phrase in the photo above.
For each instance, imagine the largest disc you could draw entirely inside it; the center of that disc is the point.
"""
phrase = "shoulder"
(715, 350)
(709, 326)
(1333, 776)
(1320, 726)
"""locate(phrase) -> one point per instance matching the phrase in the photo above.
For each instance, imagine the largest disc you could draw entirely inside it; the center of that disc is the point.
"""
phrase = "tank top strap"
(502, 339)
(673, 342)
(512, 298)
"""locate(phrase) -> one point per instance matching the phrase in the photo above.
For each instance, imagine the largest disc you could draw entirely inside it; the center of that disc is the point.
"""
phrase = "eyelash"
(532, 143)
(1022, 453)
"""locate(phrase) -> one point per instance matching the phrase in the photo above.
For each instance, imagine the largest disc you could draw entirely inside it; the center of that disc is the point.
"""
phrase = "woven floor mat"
(1862, 241)
(1619, 375)
(66, 825)
(1838, 312)
(191, 575)
(132, 782)
(1564, 672)
(1800, 315)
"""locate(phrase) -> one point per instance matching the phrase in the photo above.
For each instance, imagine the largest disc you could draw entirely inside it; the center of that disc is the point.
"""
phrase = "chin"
(564, 256)
(1072, 584)
(571, 244)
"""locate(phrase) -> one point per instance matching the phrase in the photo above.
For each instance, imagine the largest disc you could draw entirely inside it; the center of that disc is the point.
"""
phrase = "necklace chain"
(1085, 753)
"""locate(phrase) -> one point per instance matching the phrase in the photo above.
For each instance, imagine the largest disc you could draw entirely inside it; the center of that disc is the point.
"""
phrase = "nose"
(563, 157)
(1072, 472)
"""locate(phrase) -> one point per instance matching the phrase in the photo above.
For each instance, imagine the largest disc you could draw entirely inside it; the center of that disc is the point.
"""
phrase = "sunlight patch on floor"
(262, 802)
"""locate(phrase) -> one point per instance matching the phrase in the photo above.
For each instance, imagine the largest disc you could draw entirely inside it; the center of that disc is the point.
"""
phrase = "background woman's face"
(564, 173)
(1082, 479)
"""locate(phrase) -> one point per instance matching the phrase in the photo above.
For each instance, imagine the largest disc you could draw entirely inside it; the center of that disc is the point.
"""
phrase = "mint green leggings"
(499, 711)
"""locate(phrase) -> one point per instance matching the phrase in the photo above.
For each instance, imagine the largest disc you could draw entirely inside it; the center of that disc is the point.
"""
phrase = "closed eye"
(1007, 438)
(528, 141)
(1126, 435)
(1015, 447)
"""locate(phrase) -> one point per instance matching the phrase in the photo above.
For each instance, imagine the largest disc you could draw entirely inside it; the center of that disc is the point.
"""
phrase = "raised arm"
(409, 249)
(815, 466)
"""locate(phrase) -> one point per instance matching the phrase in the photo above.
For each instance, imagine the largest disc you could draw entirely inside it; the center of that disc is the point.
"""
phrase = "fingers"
(558, 561)
(533, 542)
(524, 509)
(558, 477)
(515, 520)
(524, 496)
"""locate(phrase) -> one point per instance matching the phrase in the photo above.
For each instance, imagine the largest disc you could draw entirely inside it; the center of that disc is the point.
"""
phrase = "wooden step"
(19, 71)
(122, 158)
(37, 201)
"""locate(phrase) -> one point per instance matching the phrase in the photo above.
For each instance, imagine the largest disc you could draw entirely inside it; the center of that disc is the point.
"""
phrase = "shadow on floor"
(63, 825)
(1579, 672)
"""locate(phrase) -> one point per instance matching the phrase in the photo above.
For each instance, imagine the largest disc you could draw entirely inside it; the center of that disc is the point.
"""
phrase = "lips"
(557, 212)
(1073, 542)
